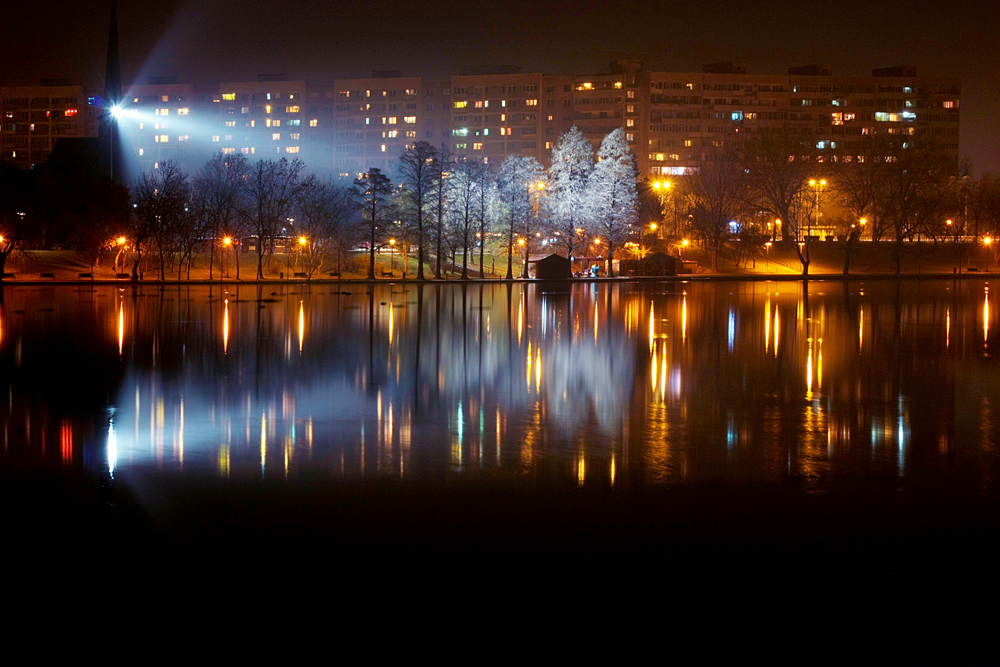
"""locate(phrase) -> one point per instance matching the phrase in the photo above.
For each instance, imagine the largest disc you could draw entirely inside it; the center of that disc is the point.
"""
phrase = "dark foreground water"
(745, 434)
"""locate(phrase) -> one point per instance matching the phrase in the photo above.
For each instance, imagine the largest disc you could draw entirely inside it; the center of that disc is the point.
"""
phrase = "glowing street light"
(392, 255)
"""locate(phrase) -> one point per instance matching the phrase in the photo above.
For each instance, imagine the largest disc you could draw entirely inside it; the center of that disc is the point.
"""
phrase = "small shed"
(549, 267)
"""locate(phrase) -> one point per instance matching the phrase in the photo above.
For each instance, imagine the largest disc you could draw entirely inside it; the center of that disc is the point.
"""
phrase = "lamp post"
(392, 256)
(226, 243)
(817, 187)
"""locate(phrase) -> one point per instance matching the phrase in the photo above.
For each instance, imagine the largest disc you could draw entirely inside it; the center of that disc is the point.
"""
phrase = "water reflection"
(633, 384)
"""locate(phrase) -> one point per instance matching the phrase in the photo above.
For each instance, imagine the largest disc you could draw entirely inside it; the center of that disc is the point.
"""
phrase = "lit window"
(630, 122)
(531, 103)
(244, 109)
(411, 134)
(409, 119)
(230, 123)
(229, 96)
(291, 149)
(215, 137)
(949, 104)
(229, 137)
(164, 98)
(383, 148)
(618, 84)
(629, 136)
(163, 112)
(182, 137)
(392, 134)
(486, 132)
(313, 123)
(548, 144)
(461, 105)
(630, 94)
(292, 109)
(294, 136)
(477, 147)
(295, 122)
(392, 120)
(688, 143)
(182, 112)
(162, 138)
(141, 151)
(267, 107)
(503, 117)
(276, 136)
(70, 112)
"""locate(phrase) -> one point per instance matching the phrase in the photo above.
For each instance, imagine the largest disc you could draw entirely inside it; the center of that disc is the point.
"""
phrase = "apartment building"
(346, 126)
(33, 118)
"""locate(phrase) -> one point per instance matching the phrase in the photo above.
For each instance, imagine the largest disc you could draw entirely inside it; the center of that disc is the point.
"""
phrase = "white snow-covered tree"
(569, 177)
(614, 193)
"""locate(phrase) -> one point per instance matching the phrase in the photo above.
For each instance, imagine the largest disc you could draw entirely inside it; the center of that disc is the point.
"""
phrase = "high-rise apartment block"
(33, 118)
(346, 126)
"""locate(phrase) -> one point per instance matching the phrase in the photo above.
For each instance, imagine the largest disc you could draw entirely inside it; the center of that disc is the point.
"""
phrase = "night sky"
(210, 42)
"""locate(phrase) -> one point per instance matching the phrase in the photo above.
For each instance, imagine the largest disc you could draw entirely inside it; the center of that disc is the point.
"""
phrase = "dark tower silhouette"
(110, 135)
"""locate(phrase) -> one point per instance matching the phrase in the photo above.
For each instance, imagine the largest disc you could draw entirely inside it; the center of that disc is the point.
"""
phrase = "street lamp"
(817, 187)
(392, 256)
(226, 243)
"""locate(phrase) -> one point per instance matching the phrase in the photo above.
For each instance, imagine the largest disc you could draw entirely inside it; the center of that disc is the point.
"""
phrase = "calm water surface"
(590, 385)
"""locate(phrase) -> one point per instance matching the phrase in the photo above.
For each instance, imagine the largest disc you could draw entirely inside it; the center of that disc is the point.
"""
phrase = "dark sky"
(208, 42)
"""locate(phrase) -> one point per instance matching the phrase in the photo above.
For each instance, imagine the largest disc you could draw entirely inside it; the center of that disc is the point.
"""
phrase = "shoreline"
(703, 277)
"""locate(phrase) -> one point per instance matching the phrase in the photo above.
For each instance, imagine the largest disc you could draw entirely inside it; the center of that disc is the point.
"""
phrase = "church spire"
(113, 70)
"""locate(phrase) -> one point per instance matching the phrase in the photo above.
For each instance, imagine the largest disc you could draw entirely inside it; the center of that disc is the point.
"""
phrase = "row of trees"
(440, 207)
(744, 193)
(887, 189)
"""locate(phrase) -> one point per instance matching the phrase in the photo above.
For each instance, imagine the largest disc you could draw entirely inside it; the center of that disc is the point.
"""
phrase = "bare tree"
(161, 197)
(271, 190)
(417, 173)
(218, 191)
(374, 194)
(518, 185)
(439, 200)
(326, 211)
(465, 205)
(717, 192)
(779, 162)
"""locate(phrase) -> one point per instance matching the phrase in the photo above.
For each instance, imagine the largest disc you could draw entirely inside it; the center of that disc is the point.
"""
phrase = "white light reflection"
(112, 447)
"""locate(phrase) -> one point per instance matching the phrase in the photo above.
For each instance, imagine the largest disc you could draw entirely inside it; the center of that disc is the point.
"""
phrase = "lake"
(597, 384)
(851, 426)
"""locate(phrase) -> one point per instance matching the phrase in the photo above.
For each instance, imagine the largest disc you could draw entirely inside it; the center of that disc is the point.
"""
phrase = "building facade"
(346, 126)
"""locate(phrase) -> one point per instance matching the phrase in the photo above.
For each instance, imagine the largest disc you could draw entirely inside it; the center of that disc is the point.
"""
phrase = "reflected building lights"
(947, 330)
(684, 318)
(986, 317)
(121, 327)
(861, 328)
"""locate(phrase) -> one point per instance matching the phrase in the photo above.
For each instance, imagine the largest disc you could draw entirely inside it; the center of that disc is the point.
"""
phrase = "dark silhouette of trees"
(373, 192)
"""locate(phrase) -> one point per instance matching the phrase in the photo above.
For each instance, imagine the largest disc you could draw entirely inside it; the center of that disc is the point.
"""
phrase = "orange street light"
(302, 240)
(520, 242)
(227, 241)
(987, 240)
